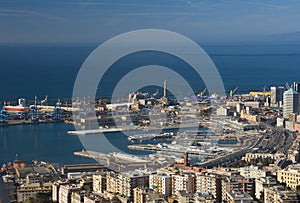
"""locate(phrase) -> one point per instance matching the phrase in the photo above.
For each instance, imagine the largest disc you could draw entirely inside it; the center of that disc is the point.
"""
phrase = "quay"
(28, 122)
(95, 131)
(150, 147)
(118, 161)
(116, 155)
(115, 129)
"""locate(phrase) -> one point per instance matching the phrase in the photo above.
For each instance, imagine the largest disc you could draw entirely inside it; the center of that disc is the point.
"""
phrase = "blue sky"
(62, 21)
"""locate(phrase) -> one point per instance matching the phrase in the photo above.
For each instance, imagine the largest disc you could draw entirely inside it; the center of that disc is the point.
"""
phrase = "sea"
(50, 69)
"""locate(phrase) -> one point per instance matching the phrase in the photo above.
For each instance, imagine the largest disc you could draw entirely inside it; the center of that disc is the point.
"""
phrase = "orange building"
(297, 127)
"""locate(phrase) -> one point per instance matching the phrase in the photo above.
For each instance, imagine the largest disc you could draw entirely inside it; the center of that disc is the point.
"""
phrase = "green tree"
(87, 188)
(262, 197)
(40, 198)
(116, 199)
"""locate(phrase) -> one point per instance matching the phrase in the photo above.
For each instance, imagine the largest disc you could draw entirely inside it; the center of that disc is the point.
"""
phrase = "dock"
(134, 128)
(118, 161)
(28, 122)
(150, 147)
(95, 131)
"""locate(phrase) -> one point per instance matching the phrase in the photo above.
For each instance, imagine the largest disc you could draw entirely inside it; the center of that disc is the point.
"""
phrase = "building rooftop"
(291, 91)
(23, 172)
(239, 196)
(284, 194)
(133, 174)
(293, 168)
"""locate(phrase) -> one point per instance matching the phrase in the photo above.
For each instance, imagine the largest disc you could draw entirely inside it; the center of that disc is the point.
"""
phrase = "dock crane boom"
(44, 100)
(233, 91)
(202, 92)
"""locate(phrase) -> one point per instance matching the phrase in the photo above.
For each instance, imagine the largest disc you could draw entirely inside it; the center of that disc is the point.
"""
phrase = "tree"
(87, 188)
(262, 197)
(43, 198)
(116, 199)
(40, 198)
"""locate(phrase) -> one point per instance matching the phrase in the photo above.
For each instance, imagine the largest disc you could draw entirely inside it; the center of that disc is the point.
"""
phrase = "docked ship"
(20, 108)
(151, 136)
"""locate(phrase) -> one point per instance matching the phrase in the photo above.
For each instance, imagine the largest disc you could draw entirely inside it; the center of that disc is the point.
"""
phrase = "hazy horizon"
(93, 21)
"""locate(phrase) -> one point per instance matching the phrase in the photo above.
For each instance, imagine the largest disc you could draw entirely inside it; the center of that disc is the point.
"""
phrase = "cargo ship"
(21, 107)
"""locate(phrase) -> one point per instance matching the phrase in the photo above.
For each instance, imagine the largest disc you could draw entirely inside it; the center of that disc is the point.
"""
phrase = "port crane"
(34, 111)
(44, 101)
(287, 85)
(156, 94)
(233, 91)
(202, 93)
(57, 115)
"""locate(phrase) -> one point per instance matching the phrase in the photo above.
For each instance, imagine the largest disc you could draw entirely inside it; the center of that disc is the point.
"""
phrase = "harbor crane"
(264, 88)
(156, 94)
(57, 115)
(233, 91)
(287, 85)
(202, 92)
(58, 103)
(44, 101)
(34, 111)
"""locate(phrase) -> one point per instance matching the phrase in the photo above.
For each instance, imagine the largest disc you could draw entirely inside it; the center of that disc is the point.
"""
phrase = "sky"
(89, 21)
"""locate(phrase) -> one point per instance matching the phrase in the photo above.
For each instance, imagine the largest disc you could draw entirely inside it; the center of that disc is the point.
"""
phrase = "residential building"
(77, 197)
(65, 192)
(263, 182)
(128, 181)
(112, 182)
(290, 176)
(184, 196)
(94, 198)
(124, 183)
(161, 183)
(184, 181)
(253, 172)
(278, 194)
(238, 197)
(237, 183)
(99, 183)
(26, 191)
(209, 183)
(204, 198)
(146, 195)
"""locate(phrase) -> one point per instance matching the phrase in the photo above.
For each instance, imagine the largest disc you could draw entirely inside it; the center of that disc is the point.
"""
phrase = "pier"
(95, 131)
(134, 128)
(118, 161)
(150, 147)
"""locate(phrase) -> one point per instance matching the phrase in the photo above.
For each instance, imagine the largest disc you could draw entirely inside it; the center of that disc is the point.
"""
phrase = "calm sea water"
(29, 70)
(48, 142)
